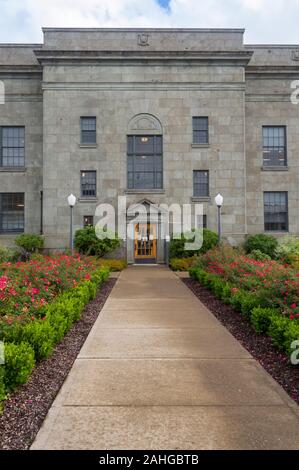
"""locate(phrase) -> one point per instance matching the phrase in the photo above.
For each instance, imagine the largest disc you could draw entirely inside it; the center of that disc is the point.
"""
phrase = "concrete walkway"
(158, 371)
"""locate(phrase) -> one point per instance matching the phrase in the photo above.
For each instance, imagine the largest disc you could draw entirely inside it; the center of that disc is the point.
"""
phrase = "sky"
(266, 21)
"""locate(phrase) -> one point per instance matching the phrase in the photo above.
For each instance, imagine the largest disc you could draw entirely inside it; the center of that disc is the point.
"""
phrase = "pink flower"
(34, 291)
(293, 306)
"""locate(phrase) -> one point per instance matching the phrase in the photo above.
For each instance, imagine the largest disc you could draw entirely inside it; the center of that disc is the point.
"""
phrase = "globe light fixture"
(71, 202)
(219, 200)
(219, 203)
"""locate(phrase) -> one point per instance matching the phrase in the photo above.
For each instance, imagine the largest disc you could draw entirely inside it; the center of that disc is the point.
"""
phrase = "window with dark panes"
(88, 130)
(274, 146)
(12, 146)
(145, 162)
(276, 211)
(200, 183)
(11, 212)
(87, 220)
(88, 183)
(200, 130)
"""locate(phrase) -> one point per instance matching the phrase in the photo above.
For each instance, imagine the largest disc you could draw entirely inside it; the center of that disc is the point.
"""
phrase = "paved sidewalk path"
(158, 371)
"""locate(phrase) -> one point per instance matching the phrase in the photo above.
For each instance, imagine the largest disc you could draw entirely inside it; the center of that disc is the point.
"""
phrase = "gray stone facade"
(168, 75)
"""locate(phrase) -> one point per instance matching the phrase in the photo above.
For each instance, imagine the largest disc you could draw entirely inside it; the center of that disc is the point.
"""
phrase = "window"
(276, 211)
(88, 183)
(201, 221)
(200, 183)
(11, 212)
(87, 220)
(200, 130)
(88, 130)
(12, 146)
(274, 146)
(145, 162)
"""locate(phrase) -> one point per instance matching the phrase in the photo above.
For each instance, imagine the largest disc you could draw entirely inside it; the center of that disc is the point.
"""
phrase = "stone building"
(162, 116)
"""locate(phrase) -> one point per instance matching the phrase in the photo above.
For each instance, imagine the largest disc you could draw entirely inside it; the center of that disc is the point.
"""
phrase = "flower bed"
(266, 292)
(39, 301)
(26, 287)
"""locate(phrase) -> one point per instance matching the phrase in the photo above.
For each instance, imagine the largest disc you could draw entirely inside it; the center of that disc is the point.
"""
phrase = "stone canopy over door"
(145, 221)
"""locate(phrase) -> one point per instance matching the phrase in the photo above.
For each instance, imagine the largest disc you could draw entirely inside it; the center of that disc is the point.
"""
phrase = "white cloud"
(264, 20)
(254, 4)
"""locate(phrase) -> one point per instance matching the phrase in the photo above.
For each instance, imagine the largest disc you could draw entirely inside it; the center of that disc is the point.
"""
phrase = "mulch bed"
(260, 347)
(26, 409)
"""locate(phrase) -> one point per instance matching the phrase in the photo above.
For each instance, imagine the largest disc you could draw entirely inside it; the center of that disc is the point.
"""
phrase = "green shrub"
(11, 333)
(293, 260)
(259, 256)
(236, 300)
(248, 302)
(277, 328)
(113, 264)
(40, 335)
(291, 334)
(92, 241)
(100, 276)
(2, 387)
(59, 324)
(267, 244)
(217, 287)
(288, 249)
(8, 255)
(30, 243)
(19, 362)
(177, 246)
(261, 318)
(182, 264)
(226, 293)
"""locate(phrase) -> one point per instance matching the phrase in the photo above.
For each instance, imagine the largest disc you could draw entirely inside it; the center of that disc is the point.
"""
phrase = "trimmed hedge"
(2, 387)
(26, 344)
(19, 363)
(113, 264)
(182, 264)
(282, 330)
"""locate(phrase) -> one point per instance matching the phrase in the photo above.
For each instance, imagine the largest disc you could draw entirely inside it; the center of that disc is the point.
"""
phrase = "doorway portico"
(145, 233)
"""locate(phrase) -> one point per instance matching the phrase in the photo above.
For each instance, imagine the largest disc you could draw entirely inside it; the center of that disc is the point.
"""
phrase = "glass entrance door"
(145, 243)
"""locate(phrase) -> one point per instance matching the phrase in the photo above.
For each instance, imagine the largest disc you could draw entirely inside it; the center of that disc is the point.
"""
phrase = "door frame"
(153, 227)
(135, 214)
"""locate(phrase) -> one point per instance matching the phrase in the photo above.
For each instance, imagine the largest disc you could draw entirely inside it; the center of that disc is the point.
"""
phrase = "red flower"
(293, 306)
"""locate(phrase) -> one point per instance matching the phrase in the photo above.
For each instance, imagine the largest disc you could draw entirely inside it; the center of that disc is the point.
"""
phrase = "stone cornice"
(138, 30)
(20, 71)
(46, 56)
(23, 97)
(142, 86)
(263, 97)
(270, 71)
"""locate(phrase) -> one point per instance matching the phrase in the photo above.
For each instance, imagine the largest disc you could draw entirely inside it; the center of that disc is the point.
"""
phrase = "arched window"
(145, 153)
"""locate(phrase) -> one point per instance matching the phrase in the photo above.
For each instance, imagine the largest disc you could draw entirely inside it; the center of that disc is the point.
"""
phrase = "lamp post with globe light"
(71, 202)
(219, 204)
